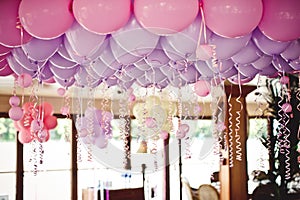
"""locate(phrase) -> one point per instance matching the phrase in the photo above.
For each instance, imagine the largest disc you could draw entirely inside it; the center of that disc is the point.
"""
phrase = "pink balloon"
(4, 50)
(185, 42)
(82, 41)
(202, 88)
(50, 122)
(165, 17)
(41, 50)
(10, 28)
(127, 36)
(46, 19)
(281, 20)
(232, 18)
(102, 16)
(6, 70)
(15, 113)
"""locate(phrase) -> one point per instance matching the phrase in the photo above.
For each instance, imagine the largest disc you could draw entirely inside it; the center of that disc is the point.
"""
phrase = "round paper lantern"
(14, 101)
(165, 17)
(10, 29)
(46, 19)
(232, 18)
(102, 16)
(15, 113)
(281, 19)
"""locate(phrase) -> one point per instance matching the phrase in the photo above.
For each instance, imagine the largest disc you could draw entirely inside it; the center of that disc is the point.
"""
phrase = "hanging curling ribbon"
(230, 132)
(90, 117)
(124, 126)
(238, 123)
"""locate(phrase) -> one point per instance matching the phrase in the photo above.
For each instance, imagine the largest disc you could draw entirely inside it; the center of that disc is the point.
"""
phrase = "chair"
(208, 192)
(191, 193)
(124, 194)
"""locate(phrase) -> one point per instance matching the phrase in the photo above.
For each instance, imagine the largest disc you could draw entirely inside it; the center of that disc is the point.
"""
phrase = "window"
(8, 156)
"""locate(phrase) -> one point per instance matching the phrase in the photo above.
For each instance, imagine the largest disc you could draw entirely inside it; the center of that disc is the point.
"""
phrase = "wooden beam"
(233, 171)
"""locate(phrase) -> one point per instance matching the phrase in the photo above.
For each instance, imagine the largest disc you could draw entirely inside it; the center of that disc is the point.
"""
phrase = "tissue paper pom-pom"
(15, 113)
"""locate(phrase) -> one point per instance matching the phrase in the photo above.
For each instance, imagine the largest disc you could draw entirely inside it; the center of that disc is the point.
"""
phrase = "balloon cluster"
(94, 127)
(34, 121)
(160, 43)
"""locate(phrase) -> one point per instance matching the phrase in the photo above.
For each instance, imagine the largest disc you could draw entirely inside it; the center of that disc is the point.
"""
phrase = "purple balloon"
(240, 80)
(91, 71)
(203, 69)
(229, 73)
(82, 41)
(168, 71)
(121, 55)
(134, 39)
(63, 74)
(223, 65)
(163, 84)
(62, 51)
(143, 81)
(248, 54)
(101, 68)
(178, 64)
(60, 62)
(111, 81)
(268, 71)
(126, 85)
(121, 75)
(281, 65)
(185, 42)
(41, 50)
(227, 47)
(247, 70)
(169, 50)
(45, 72)
(177, 81)
(295, 64)
(83, 79)
(108, 58)
(19, 69)
(190, 74)
(142, 65)
(292, 51)
(262, 62)
(157, 58)
(6, 70)
(155, 75)
(65, 83)
(25, 61)
(133, 71)
(267, 45)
